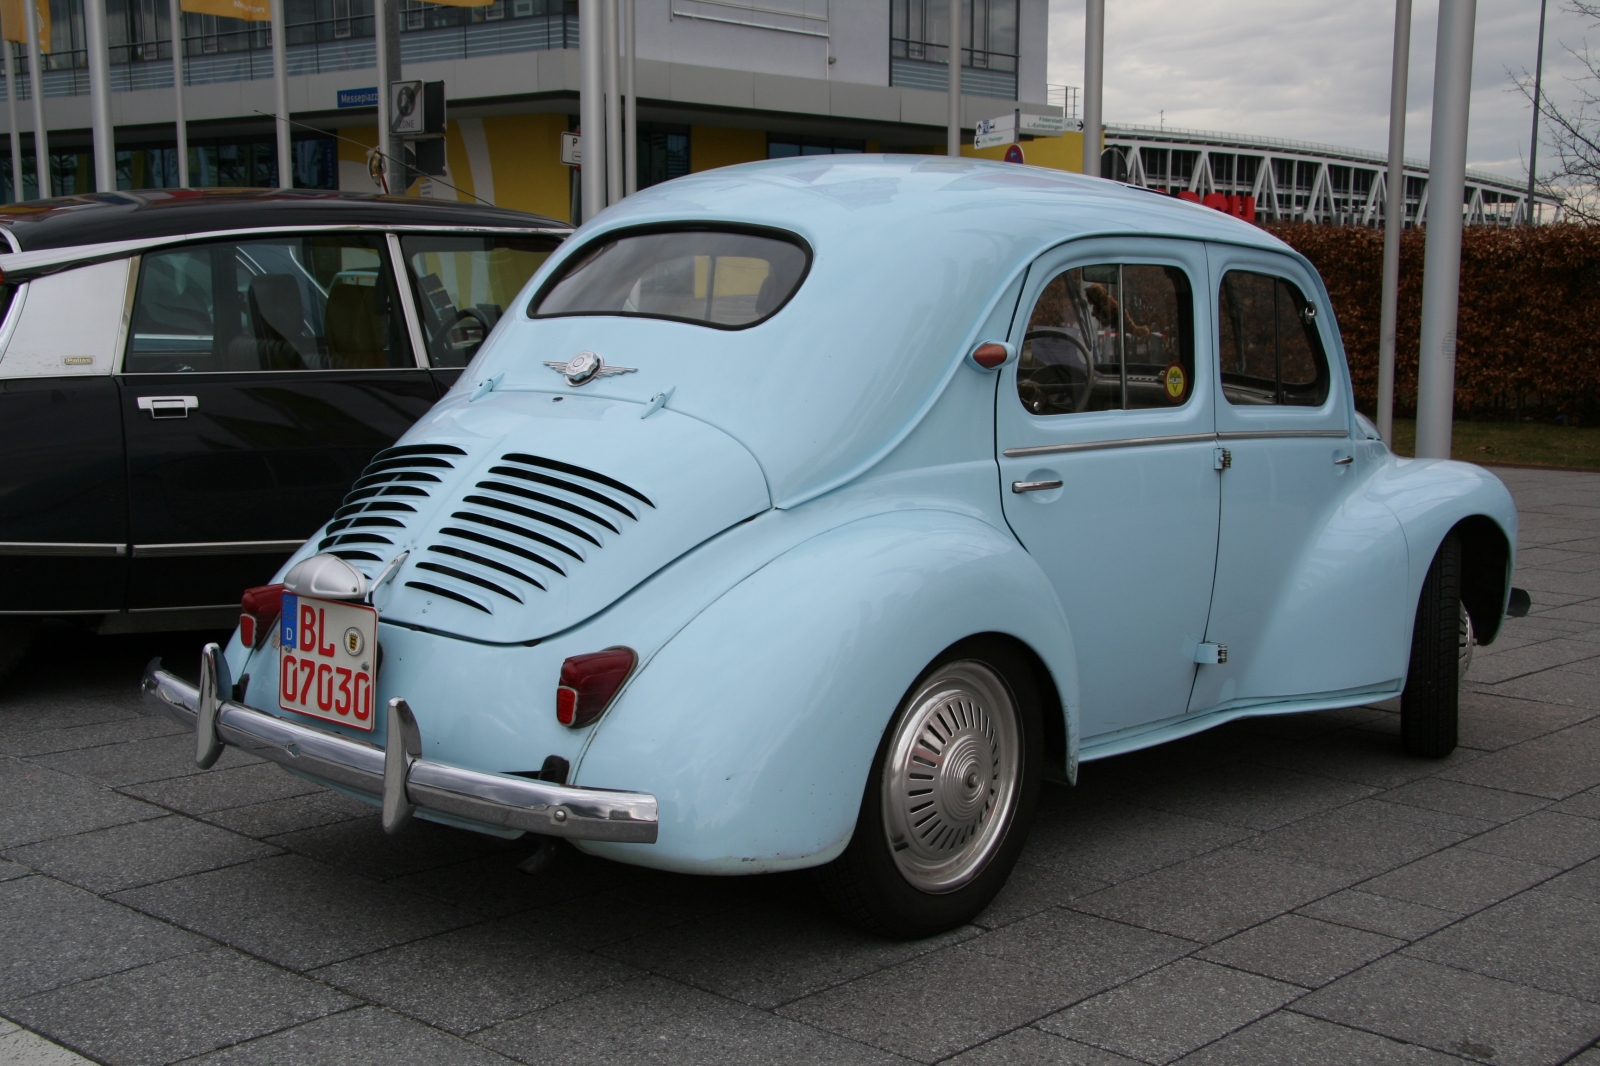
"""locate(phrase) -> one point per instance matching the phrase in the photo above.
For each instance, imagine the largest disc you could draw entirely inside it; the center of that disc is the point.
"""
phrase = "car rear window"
(720, 278)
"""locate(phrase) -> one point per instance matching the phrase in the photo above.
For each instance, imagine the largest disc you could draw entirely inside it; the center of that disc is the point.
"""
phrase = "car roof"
(97, 218)
(913, 257)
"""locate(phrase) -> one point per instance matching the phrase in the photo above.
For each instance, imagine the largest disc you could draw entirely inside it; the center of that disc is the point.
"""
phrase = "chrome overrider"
(395, 775)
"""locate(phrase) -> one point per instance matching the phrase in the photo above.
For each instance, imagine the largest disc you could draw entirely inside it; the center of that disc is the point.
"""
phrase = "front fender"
(1431, 497)
(756, 725)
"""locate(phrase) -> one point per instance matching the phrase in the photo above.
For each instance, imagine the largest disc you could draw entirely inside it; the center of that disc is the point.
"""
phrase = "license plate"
(327, 659)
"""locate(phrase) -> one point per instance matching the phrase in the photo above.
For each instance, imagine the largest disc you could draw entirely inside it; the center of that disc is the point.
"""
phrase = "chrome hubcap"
(950, 789)
(1465, 639)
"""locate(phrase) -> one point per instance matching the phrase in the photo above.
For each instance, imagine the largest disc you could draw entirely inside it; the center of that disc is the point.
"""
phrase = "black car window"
(273, 303)
(1112, 337)
(1270, 352)
(710, 277)
(463, 286)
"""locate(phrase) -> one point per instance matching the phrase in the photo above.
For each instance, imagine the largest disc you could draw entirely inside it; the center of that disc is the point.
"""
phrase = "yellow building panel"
(718, 146)
(1058, 153)
(528, 172)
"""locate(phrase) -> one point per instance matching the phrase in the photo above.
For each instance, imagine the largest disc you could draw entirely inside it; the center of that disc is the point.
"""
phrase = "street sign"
(572, 150)
(993, 132)
(405, 107)
(1051, 125)
(359, 97)
(1014, 154)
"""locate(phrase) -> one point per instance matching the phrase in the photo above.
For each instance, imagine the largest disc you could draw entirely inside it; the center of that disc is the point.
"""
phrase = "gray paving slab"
(658, 1021)
(10, 870)
(368, 1035)
(117, 731)
(1366, 837)
(1215, 896)
(1458, 1012)
(1540, 939)
(1554, 766)
(278, 816)
(1112, 841)
(1166, 1014)
(1468, 801)
(1300, 950)
(140, 853)
(1543, 837)
(52, 934)
(1584, 804)
(1580, 882)
(1558, 687)
(1490, 722)
(200, 794)
(361, 846)
(40, 804)
(493, 887)
(1362, 757)
(1379, 914)
(294, 912)
(1250, 795)
(1031, 889)
(205, 1000)
(22, 1047)
(1494, 666)
(1289, 1039)
(1459, 879)
(1035, 1047)
(132, 762)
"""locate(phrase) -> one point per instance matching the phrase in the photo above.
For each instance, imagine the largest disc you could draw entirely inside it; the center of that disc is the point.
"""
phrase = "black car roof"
(69, 221)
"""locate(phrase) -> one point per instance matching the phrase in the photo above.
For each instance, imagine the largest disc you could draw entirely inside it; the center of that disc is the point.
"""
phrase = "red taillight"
(258, 608)
(588, 682)
(990, 355)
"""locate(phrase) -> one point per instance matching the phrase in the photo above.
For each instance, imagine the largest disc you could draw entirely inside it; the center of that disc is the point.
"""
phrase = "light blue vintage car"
(809, 513)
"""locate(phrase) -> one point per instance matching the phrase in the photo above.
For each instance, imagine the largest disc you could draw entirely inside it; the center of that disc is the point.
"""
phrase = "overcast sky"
(1316, 71)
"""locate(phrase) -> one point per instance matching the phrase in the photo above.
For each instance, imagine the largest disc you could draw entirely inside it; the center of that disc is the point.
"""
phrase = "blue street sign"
(358, 97)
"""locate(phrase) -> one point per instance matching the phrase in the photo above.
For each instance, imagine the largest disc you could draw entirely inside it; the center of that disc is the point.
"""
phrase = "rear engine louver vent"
(378, 506)
(532, 520)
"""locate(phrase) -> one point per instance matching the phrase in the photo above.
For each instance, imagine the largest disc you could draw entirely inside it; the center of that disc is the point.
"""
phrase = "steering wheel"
(465, 344)
(1053, 378)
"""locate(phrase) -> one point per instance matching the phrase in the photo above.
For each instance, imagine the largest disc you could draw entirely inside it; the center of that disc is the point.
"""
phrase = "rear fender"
(756, 725)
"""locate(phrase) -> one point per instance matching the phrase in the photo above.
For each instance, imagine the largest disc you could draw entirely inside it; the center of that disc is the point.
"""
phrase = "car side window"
(274, 303)
(463, 285)
(1270, 351)
(1112, 337)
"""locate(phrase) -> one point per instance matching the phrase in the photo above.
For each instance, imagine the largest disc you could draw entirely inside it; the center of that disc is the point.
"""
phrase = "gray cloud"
(1315, 71)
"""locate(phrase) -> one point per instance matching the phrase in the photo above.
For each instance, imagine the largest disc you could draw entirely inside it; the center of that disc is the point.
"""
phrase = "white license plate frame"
(327, 660)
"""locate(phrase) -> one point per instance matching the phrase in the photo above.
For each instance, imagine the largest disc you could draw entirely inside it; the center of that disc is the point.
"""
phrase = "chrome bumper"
(396, 775)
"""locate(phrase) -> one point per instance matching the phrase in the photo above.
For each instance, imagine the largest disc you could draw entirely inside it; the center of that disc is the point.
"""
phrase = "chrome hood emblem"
(585, 366)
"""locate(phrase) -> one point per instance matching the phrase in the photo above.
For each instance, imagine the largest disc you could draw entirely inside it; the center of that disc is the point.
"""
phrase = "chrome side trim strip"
(491, 799)
(1101, 445)
(23, 547)
(1176, 438)
(217, 547)
(1271, 434)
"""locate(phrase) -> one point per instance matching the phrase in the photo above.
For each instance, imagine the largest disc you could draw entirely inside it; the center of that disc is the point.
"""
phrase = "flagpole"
(16, 134)
(280, 78)
(177, 93)
(613, 110)
(630, 113)
(41, 136)
(105, 148)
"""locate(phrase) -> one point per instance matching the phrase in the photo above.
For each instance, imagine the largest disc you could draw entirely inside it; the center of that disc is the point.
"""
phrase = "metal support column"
(630, 107)
(953, 133)
(1394, 217)
(1533, 145)
(591, 108)
(1094, 69)
(105, 148)
(386, 19)
(41, 137)
(1441, 270)
(176, 15)
(280, 79)
(16, 134)
(613, 107)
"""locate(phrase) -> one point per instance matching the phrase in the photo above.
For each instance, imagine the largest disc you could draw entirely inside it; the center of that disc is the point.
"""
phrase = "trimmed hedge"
(1528, 327)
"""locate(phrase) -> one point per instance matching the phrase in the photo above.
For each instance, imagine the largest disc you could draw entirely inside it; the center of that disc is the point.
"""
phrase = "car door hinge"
(1221, 459)
(1211, 654)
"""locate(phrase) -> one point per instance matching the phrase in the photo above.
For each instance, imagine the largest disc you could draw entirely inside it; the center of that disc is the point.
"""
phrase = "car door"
(461, 284)
(1307, 562)
(63, 500)
(260, 375)
(1107, 457)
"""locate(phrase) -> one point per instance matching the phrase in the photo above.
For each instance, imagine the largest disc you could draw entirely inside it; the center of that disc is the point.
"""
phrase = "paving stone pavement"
(1282, 890)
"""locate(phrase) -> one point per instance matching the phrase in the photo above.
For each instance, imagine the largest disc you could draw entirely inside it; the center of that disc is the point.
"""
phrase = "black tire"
(1430, 705)
(866, 884)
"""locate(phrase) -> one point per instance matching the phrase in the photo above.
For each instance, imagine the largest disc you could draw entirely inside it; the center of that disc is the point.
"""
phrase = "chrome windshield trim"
(217, 547)
(500, 800)
(1101, 445)
(1175, 438)
(25, 547)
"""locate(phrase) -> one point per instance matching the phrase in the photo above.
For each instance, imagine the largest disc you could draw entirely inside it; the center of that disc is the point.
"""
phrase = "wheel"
(1441, 648)
(949, 800)
(16, 636)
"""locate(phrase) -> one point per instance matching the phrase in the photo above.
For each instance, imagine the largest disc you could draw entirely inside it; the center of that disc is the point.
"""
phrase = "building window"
(919, 46)
(663, 153)
(784, 145)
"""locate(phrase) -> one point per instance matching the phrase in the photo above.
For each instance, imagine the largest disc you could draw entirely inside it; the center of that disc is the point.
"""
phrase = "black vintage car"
(191, 380)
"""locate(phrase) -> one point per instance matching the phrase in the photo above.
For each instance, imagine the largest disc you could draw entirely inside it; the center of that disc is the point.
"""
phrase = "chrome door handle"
(1034, 486)
(168, 406)
(1344, 460)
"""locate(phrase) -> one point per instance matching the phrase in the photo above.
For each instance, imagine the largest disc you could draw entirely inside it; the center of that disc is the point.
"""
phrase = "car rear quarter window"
(722, 278)
(1268, 346)
(464, 284)
(273, 303)
(1109, 337)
